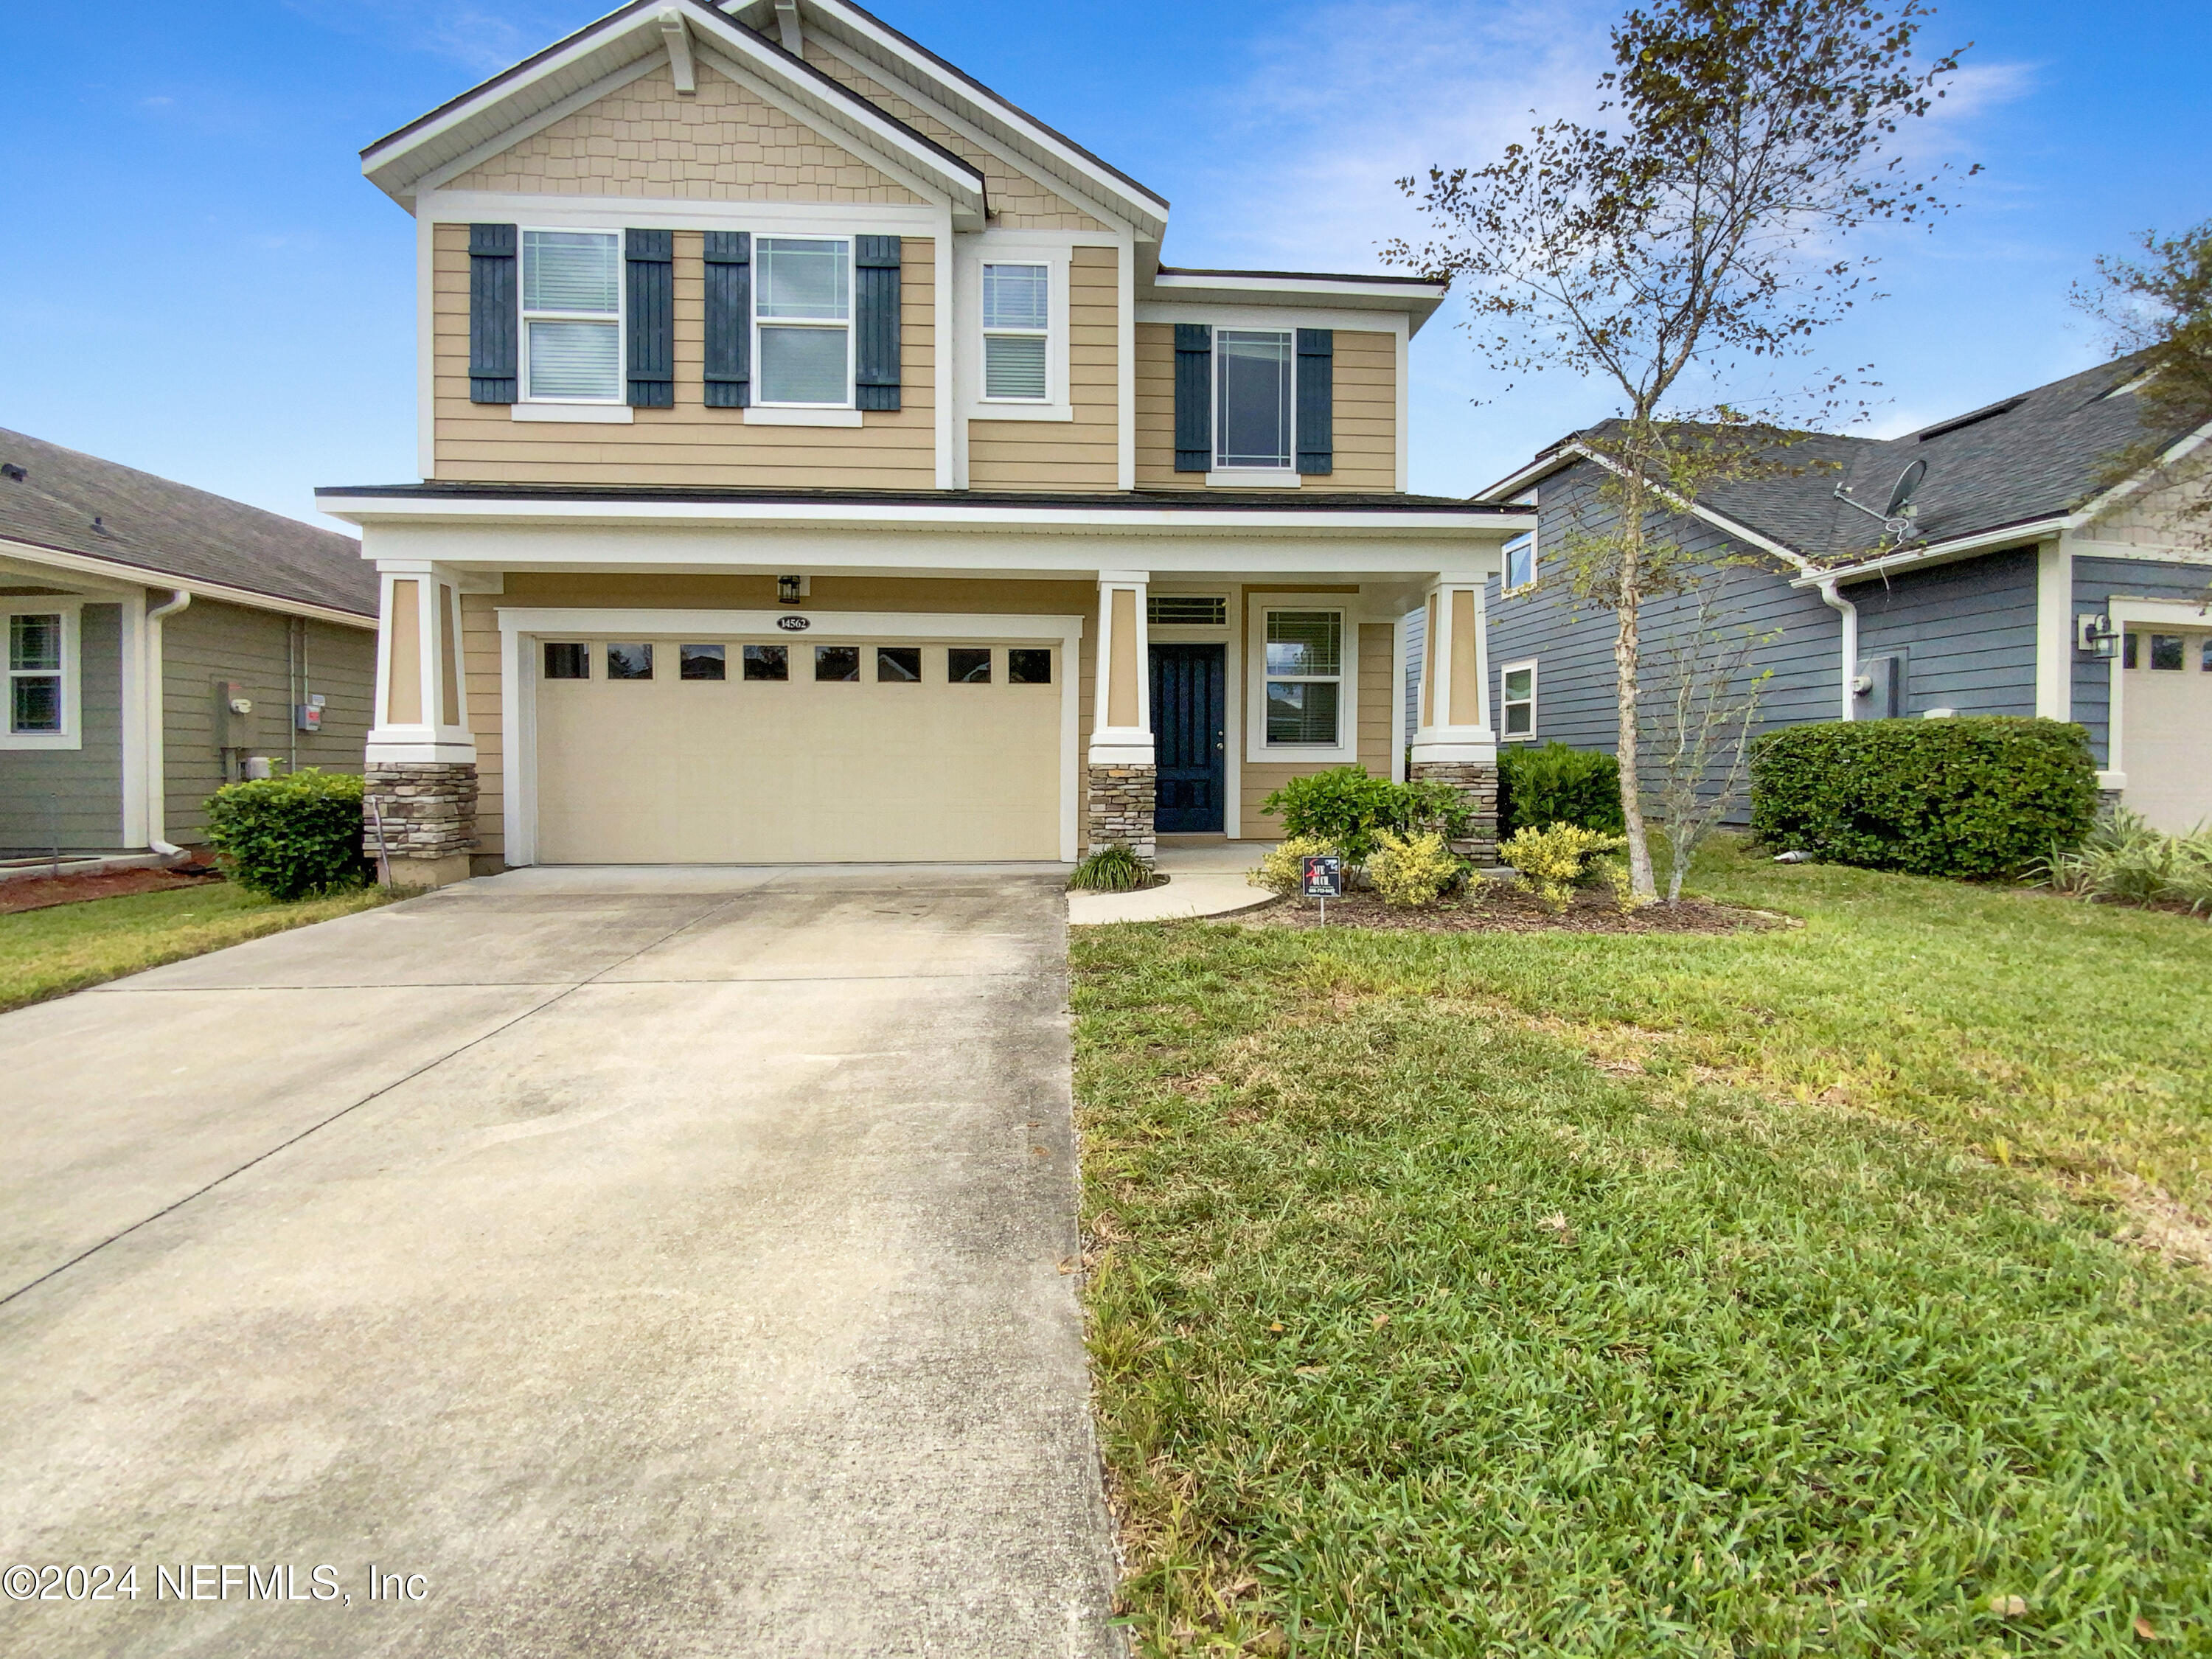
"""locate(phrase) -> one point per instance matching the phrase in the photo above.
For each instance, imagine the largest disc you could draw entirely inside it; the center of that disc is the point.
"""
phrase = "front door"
(1188, 683)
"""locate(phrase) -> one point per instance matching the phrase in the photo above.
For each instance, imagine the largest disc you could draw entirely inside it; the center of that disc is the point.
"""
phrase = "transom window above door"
(1017, 330)
(1252, 425)
(572, 316)
(803, 316)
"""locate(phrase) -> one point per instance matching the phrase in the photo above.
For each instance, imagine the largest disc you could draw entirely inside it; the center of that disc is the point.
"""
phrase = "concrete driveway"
(623, 1263)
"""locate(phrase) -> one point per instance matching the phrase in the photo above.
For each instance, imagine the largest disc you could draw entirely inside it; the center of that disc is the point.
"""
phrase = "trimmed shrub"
(1348, 808)
(1557, 861)
(2125, 861)
(291, 836)
(1279, 868)
(1554, 784)
(1978, 798)
(1114, 869)
(1410, 871)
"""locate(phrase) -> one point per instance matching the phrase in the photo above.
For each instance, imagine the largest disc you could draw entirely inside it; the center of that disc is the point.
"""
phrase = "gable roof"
(71, 503)
(2026, 460)
(605, 55)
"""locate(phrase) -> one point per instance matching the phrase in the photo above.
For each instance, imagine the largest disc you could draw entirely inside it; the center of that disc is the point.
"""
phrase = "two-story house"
(818, 464)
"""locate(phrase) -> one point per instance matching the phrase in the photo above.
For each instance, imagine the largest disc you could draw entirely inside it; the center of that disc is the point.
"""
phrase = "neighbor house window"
(1305, 675)
(804, 314)
(1252, 397)
(1517, 706)
(1520, 562)
(572, 316)
(38, 651)
(1016, 325)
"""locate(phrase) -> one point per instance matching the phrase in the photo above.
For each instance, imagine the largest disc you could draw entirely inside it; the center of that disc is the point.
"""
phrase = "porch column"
(420, 802)
(1453, 742)
(1120, 775)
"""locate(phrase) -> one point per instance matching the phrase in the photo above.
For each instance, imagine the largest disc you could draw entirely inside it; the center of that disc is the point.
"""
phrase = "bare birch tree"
(1700, 725)
(1701, 227)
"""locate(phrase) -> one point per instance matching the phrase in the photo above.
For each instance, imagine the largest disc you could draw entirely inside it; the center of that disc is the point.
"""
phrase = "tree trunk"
(1627, 649)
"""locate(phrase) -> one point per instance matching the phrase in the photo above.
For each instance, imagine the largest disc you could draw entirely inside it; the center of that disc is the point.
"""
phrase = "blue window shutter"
(1317, 389)
(729, 257)
(876, 318)
(494, 322)
(649, 268)
(1194, 398)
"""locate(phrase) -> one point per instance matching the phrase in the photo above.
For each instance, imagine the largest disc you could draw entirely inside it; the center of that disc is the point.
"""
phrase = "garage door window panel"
(898, 665)
(840, 663)
(702, 662)
(968, 664)
(767, 662)
(568, 659)
(1028, 665)
(629, 660)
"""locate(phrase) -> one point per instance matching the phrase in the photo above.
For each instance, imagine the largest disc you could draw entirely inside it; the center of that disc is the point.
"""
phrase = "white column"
(1455, 696)
(1122, 716)
(422, 685)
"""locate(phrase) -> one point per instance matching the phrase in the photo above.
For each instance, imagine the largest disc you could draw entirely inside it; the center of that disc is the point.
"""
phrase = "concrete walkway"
(1205, 878)
(649, 1262)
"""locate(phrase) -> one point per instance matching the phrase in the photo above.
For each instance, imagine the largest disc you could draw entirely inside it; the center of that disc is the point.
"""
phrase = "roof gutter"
(148, 576)
(1936, 552)
(157, 764)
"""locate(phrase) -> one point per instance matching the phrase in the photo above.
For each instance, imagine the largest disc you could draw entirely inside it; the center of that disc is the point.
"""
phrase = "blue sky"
(196, 280)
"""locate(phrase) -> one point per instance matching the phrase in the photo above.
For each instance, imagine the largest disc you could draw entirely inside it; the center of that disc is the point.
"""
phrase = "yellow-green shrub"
(1556, 860)
(1410, 871)
(1279, 869)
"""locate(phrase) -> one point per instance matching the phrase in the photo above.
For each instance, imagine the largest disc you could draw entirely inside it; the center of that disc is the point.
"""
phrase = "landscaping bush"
(1409, 872)
(1554, 784)
(1279, 868)
(1557, 861)
(291, 836)
(2125, 861)
(1979, 798)
(1348, 808)
(1114, 869)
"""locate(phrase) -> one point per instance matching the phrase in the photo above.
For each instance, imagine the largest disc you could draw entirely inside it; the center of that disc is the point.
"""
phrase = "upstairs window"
(572, 316)
(803, 321)
(1520, 563)
(1252, 397)
(1017, 329)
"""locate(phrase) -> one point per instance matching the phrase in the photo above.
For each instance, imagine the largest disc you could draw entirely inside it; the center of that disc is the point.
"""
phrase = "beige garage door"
(2165, 726)
(814, 749)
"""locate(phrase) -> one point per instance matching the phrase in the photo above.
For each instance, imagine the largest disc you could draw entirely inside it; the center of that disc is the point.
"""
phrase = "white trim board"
(521, 625)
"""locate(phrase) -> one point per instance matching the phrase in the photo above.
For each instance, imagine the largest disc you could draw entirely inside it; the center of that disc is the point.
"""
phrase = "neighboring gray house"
(2020, 561)
(160, 639)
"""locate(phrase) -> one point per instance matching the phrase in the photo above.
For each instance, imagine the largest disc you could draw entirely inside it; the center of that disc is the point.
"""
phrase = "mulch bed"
(1496, 908)
(43, 892)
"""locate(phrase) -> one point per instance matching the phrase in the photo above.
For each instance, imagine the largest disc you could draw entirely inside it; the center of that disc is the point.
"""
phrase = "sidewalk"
(1206, 878)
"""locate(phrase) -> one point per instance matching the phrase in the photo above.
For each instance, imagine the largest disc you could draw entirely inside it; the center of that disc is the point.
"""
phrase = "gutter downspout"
(1850, 613)
(156, 769)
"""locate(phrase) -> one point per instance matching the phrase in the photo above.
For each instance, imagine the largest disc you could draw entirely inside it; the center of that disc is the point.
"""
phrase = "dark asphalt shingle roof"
(169, 529)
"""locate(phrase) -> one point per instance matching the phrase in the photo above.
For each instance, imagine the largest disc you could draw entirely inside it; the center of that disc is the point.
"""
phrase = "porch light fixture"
(790, 590)
(2095, 637)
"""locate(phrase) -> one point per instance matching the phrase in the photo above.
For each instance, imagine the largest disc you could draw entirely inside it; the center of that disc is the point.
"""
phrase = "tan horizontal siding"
(721, 144)
(1084, 452)
(1365, 399)
(688, 444)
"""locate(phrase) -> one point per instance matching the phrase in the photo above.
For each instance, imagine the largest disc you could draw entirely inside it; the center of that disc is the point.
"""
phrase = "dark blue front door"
(1188, 683)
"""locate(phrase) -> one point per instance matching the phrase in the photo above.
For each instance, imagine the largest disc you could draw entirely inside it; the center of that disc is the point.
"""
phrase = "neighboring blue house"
(2019, 562)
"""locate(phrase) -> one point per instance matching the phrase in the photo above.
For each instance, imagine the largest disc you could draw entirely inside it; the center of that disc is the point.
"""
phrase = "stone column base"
(419, 820)
(1478, 781)
(1120, 801)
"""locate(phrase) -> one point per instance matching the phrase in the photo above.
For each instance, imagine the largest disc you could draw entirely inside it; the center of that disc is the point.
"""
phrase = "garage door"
(2166, 727)
(773, 751)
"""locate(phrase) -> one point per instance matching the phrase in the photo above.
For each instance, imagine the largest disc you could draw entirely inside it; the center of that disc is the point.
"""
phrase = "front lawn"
(1718, 1295)
(47, 953)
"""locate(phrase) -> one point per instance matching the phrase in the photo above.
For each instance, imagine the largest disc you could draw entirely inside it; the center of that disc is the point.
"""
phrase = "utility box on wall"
(1878, 692)
(234, 716)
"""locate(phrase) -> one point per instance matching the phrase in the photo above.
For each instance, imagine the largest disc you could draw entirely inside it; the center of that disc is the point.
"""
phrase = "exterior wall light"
(790, 590)
(2095, 637)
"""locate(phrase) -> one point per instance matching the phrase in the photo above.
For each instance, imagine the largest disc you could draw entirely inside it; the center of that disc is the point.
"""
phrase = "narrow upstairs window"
(1252, 398)
(803, 313)
(572, 316)
(1017, 326)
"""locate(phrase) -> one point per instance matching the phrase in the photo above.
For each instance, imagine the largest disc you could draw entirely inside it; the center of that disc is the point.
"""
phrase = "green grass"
(47, 953)
(1446, 1310)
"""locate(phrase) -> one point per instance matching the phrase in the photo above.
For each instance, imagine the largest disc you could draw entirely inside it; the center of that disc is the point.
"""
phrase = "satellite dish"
(1908, 484)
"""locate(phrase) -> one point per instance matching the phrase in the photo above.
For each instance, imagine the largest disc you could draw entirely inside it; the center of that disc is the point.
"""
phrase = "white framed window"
(1517, 702)
(1303, 651)
(43, 674)
(1017, 333)
(1252, 374)
(802, 322)
(572, 316)
(1521, 562)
